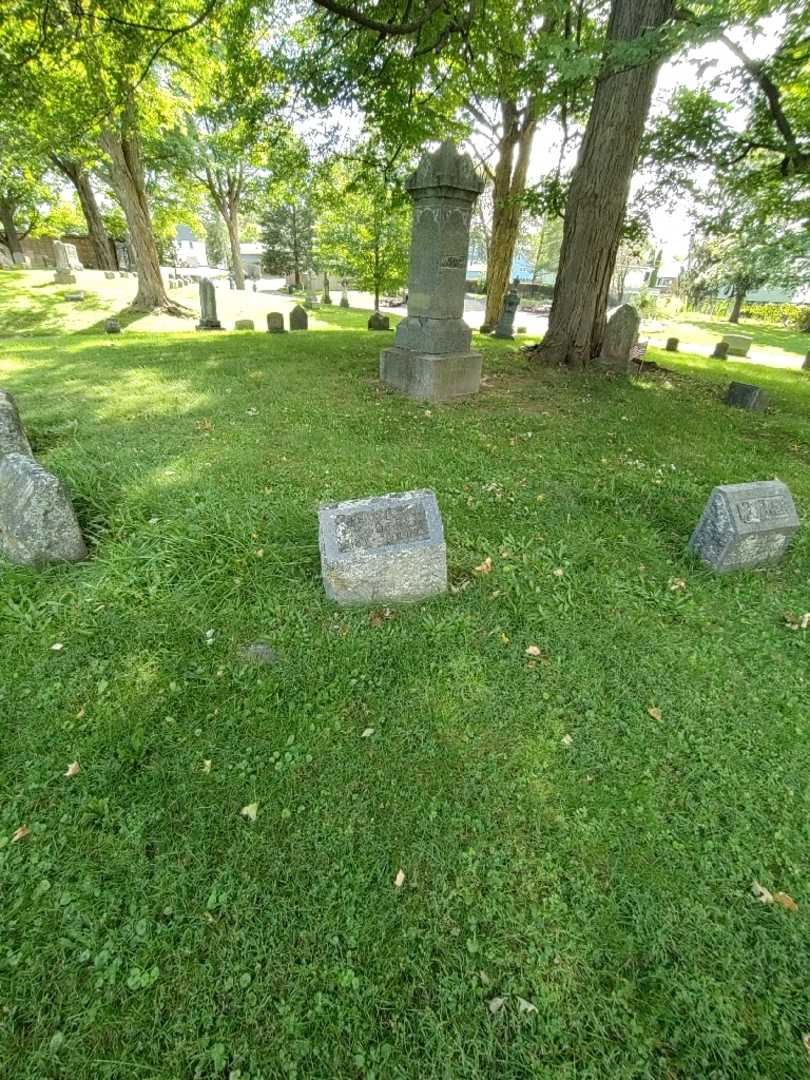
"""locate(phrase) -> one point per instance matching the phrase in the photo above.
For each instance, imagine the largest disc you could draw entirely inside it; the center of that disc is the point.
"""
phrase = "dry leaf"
(504, 638)
(260, 553)
(485, 979)
(677, 584)
(367, 733)
(525, 1006)
(485, 567)
(21, 834)
(533, 651)
(558, 571)
(797, 622)
(761, 893)
(654, 712)
(80, 713)
(57, 647)
(250, 811)
(567, 740)
(72, 768)
(399, 880)
(785, 901)
(206, 766)
(806, 1041)
(496, 1004)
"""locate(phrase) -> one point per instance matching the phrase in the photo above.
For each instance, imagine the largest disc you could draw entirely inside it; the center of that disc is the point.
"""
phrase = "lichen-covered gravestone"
(672, 344)
(13, 439)
(298, 318)
(747, 396)
(37, 521)
(745, 525)
(506, 324)
(720, 351)
(244, 324)
(379, 322)
(621, 334)
(275, 322)
(388, 548)
(738, 344)
(431, 358)
(344, 296)
(208, 307)
(112, 326)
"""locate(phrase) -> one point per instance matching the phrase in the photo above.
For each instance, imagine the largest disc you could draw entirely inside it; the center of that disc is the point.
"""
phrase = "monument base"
(209, 325)
(430, 377)
(64, 277)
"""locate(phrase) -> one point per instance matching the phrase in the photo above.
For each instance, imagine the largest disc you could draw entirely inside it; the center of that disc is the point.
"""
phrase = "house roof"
(185, 233)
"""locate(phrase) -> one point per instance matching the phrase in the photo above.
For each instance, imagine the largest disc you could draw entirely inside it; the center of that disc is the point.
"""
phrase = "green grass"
(693, 328)
(149, 930)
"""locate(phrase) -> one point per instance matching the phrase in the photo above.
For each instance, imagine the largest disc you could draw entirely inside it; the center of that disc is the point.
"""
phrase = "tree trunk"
(739, 296)
(126, 170)
(9, 228)
(75, 172)
(232, 222)
(296, 252)
(600, 187)
(509, 185)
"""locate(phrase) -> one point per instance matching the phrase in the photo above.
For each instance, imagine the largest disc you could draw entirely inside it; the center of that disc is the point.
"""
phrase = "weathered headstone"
(6, 261)
(112, 326)
(123, 273)
(344, 296)
(299, 320)
(326, 298)
(738, 344)
(672, 344)
(431, 358)
(74, 262)
(311, 301)
(621, 334)
(745, 525)
(275, 322)
(13, 439)
(747, 396)
(806, 364)
(75, 297)
(37, 520)
(208, 307)
(21, 259)
(383, 549)
(506, 323)
(379, 322)
(64, 277)
(109, 274)
(720, 351)
(244, 324)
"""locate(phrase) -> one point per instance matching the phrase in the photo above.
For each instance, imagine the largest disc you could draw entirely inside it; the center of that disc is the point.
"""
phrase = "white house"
(190, 248)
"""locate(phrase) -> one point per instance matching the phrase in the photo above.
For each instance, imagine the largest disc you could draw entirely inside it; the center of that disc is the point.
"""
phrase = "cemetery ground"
(509, 832)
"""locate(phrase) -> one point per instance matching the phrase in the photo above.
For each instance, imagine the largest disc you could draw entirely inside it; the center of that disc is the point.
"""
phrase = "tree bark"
(232, 222)
(600, 187)
(9, 228)
(75, 172)
(296, 254)
(126, 170)
(225, 189)
(739, 297)
(509, 184)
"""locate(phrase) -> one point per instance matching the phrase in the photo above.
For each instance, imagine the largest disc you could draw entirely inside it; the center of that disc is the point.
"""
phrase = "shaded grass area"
(150, 930)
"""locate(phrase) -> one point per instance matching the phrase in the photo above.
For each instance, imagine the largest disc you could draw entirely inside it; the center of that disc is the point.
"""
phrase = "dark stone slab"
(672, 344)
(112, 326)
(275, 322)
(299, 320)
(720, 351)
(379, 322)
(746, 396)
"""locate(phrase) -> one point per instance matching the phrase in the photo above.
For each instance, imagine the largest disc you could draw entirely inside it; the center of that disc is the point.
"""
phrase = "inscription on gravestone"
(387, 525)
(745, 525)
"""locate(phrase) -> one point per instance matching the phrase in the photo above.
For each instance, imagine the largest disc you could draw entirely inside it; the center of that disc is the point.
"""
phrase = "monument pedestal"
(431, 376)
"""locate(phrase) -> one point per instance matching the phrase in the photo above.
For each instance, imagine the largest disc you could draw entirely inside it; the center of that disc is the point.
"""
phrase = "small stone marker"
(746, 396)
(13, 439)
(112, 326)
(379, 322)
(806, 364)
(123, 273)
(384, 549)
(37, 520)
(208, 307)
(738, 344)
(672, 344)
(745, 525)
(109, 274)
(311, 301)
(74, 297)
(258, 652)
(326, 297)
(506, 324)
(244, 324)
(64, 277)
(275, 322)
(720, 351)
(299, 320)
(621, 334)
(344, 296)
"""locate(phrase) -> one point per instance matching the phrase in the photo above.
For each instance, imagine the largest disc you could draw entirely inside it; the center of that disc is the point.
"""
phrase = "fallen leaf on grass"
(654, 712)
(72, 768)
(377, 618)
(399, 880)
(250, 811)
(797, 622)
(485, 567)
(533, 650)
(806, 1041)
(785, 901)
(367, 733)
(558, 571)
(496, 1004)
(21, 834)
(677, 584)
(206, 765)
(57, 646)
(567, 740)
(525, 1006)
(761, 893)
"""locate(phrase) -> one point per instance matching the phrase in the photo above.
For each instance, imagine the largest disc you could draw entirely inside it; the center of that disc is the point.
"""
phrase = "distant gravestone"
(745, 525)
(6, 261)
(74, 262)
(806, 364)
(747, 396)
(208, 307)
(621, 334)
(344, 296)
(299, 320)
(326, 298)
(21, 259)
(506, 324)
(64, 277)
(383, 549)
(672, 344)
(311, 301)
(738, 344)
(60, 255)
(13, 439)
(112, 326)
(379, 322)
(109, 274)
(244, 324)
(75, 297)
(37, 520)
(275, 322)
(720, 351)
(123, 273)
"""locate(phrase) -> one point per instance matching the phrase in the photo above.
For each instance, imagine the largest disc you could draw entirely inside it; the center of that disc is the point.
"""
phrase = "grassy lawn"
(563, 849)
(693, 328)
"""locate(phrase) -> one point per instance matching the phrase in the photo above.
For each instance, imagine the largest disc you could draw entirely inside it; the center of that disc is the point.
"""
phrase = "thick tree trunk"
(75, 172)
(739, 296)
(126, 172)
(296, 253)
(9, 228)
(509, 185)
(232, 222)
(600, 186)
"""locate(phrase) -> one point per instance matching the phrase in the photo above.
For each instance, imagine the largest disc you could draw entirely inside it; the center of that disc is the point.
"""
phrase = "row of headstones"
(311, 300)
(299, 320)
(38, 524)
(179, 281)
(391, 548)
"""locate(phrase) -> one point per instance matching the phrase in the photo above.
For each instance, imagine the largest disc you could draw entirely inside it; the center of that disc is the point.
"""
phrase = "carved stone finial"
(446, 168)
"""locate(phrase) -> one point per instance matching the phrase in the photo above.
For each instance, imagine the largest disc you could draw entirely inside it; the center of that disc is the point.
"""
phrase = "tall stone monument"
(431, 358)
(208, 307)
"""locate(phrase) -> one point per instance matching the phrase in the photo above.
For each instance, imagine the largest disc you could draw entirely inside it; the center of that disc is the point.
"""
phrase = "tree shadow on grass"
(784, 338)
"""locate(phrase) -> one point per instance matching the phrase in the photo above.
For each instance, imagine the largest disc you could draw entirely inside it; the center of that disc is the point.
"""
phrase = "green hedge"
(797, 315)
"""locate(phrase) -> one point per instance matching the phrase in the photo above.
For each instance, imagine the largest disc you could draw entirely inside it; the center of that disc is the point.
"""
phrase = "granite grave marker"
(37, 521)
(745, 525)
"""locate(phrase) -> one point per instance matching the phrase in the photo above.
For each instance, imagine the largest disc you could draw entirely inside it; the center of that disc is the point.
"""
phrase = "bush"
(797, 315)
